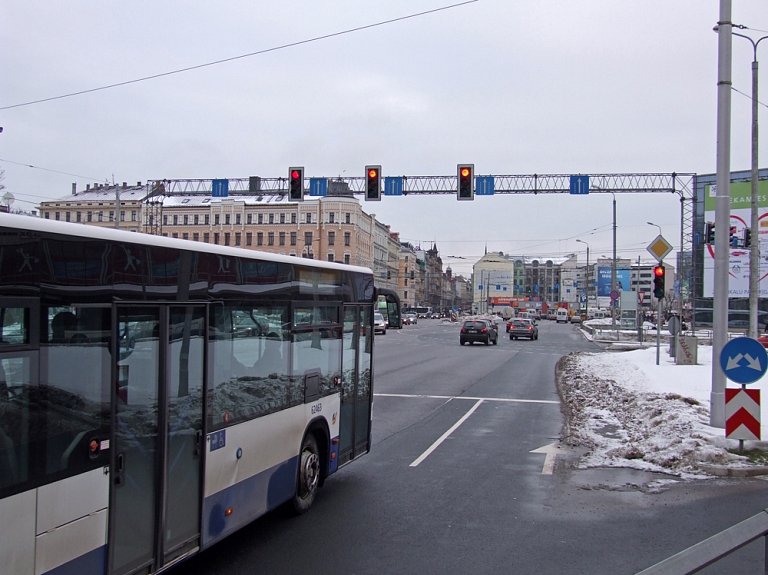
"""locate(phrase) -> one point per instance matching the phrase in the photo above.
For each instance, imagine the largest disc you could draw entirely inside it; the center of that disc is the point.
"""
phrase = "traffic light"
(658, 281)
(747, 238)
(466, 187)
(296, 184)
(710, 234)
(373, 183)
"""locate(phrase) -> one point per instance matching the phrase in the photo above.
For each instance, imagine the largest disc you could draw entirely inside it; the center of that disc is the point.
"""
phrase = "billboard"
(604, 281)
(738, 260)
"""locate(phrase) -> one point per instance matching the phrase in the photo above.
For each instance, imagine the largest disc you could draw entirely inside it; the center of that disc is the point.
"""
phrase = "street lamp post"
(754, 251)
(659, 321)
(613, 267)
(586, 276)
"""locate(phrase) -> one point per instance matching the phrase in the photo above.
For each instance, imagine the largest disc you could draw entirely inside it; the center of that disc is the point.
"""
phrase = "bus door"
(355, 418)
(157, 411)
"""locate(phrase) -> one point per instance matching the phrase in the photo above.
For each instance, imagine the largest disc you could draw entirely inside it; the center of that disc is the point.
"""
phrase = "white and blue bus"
(158, 394)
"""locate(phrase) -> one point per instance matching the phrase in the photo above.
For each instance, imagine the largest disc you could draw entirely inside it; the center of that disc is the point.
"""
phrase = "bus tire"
(308, 477)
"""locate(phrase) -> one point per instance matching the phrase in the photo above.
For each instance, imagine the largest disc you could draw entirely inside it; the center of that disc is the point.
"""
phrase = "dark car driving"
(523, 328)
(480, 330)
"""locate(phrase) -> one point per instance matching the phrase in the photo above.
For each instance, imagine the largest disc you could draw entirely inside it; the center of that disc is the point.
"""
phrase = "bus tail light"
(228, 512)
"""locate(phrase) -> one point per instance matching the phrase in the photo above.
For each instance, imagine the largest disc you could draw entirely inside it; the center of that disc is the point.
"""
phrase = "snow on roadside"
(629, 412)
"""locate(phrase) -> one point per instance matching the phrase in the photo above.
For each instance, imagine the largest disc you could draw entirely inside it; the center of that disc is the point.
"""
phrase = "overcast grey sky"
(515, 87)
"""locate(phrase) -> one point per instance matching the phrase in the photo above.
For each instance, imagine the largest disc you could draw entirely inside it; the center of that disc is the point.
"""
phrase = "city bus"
(158, 394)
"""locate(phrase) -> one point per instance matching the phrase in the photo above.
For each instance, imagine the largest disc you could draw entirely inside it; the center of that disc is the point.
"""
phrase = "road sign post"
(743, 360)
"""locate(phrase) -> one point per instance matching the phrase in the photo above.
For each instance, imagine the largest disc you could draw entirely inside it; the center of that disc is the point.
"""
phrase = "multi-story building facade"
(97, 206)
(407, 281)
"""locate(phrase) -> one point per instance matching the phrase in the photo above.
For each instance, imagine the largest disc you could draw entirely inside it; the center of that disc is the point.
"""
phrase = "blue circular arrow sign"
(744, 360)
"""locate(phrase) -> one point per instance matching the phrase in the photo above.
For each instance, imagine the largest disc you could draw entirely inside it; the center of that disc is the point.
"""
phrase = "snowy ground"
(629, 412)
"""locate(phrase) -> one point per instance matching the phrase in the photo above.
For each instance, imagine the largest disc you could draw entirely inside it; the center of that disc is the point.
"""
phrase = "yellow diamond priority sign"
(659, 248)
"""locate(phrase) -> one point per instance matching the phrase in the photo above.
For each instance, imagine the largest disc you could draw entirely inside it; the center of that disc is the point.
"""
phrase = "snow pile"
(629, 412)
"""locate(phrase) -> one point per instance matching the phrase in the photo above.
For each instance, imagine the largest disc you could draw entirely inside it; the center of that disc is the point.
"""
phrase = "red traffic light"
(464, 172)
(372, 173)
(295, 174)
(658, 271)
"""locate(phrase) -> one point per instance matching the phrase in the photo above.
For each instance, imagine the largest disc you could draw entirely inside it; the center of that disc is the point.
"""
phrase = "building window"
(346, 259)
(69, 217)
(122, 216)
(406, 281)
(271, 239)
(58, 216)
(260, 218)
(227, 219)
(330, 257)
(175, 234)
(307, 238)
(216, 239)
(238, 219)
(196, 219)
(309, 217)
(111, 216)
(206, 237)
(249, 239)
(331, 238)
(347, 238)
(331, 217)
(186, 219)
(260, 239)
(196, 237)
(165, 220)
(282, 218)
(101, 216)
(347, 218)
(237, 239)
(78, 216)
(293, 218)
(216, 219)
(271, 218)
(293, 238)
(405, 295)
(282, 238)
(47, 215)
(185, 236)
(207, 219)
(249, 218)
(89, 216)
(226, 239)
(133, 216)
(175, 220)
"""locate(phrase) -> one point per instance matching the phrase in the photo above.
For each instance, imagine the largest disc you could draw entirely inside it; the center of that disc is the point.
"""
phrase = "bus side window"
(75, 371)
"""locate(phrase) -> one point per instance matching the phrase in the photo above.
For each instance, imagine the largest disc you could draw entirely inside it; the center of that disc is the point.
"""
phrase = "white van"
(562, 315)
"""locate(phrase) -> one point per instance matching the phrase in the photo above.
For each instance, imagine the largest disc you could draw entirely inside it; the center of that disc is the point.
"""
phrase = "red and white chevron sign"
(742, 414)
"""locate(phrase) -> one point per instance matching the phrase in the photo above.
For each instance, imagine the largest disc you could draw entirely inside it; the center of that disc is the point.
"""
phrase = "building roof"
(105, 193)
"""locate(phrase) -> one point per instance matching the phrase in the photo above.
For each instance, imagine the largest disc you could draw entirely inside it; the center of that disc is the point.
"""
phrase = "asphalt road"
(451, 485)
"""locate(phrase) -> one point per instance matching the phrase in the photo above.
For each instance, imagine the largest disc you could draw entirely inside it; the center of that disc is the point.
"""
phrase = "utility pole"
(613, 268)
(722, 213)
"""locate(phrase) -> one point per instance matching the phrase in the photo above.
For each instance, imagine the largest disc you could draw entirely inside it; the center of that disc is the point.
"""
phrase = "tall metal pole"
(754, 251)
(722, 214)
(613, 267)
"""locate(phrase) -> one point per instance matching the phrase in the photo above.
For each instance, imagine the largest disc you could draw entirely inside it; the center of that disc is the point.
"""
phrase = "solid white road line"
(445, 435)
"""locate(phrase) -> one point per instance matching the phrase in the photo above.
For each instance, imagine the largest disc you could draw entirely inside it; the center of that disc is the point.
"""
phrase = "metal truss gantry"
(682, 184)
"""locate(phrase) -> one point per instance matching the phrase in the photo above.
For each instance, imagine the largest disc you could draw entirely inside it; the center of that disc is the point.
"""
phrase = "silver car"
(379, 324)
(523, 328)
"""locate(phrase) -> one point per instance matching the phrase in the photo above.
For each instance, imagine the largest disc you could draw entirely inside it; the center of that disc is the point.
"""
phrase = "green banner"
(741, 195)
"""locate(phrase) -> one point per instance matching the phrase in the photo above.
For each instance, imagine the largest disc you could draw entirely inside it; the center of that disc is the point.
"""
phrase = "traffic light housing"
(747, 237)
(709, 237)
(466, 186)
(373, 183)
(296, 184)
(658, 281)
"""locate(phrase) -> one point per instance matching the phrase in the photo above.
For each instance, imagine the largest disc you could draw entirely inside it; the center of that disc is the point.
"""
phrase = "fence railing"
(711, 550)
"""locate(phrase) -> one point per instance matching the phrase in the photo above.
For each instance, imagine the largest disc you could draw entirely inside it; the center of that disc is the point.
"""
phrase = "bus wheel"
(309, 475)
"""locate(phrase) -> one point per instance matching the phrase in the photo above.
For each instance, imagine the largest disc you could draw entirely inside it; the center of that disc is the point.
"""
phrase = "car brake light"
(485, 330)
(530, 327)
(462, 330)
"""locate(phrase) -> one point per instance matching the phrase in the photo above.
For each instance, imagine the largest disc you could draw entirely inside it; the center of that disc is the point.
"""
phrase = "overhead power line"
(240, 57)
(49, 170)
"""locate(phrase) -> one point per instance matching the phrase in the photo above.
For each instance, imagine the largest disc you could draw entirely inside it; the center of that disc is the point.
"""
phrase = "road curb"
(724, 471)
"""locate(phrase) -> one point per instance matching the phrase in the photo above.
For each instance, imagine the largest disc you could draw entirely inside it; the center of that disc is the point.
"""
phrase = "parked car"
(523, 328)
(379, 324)
(480, 330)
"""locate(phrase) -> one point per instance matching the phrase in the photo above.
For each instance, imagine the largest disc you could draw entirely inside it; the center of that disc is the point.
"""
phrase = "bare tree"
(2, 177)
